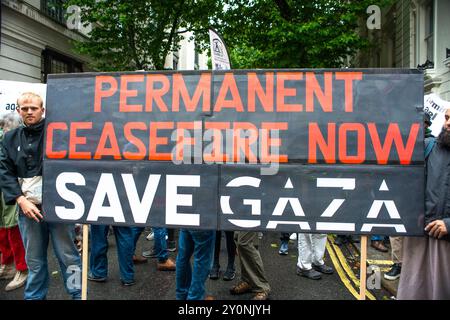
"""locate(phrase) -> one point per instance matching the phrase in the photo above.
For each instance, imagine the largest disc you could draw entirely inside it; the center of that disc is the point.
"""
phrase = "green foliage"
(293, 34)
(138, 34)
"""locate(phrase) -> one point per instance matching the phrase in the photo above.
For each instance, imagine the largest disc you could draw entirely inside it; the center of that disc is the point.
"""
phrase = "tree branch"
(173, 30)
(285, 9)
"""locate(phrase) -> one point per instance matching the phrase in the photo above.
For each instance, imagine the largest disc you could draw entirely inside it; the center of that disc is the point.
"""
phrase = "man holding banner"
(20, 181)
(426, 259)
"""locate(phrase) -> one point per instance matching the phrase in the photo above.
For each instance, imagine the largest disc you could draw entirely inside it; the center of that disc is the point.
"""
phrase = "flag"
(219, 53)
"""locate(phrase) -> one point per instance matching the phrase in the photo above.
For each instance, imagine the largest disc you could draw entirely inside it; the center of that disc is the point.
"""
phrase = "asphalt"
(157, 285)
(376, 258)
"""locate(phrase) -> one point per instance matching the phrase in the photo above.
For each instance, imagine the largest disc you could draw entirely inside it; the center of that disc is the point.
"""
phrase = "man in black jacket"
(20, 180)
(426, 259)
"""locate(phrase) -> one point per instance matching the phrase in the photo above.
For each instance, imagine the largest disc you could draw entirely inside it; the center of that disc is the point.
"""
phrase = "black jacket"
(21, 153)
(437, 191)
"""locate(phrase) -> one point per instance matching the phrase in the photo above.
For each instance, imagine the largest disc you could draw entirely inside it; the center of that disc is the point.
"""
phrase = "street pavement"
(285, 284)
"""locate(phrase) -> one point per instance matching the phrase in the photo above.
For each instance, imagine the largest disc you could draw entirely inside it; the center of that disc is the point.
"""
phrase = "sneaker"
(214, 273)
(229, 274)
(240, 288)
(340, 240)
(19, 280)
(128, 283)
(394, 273)
(284, 248)
(293, 236)
(150, 254)
(323, 268)
(150, 236)
(96, 279)
(378, 245)
(171, 246)
(167, 265)
(7, 271)
(309, 273)
(139, 260)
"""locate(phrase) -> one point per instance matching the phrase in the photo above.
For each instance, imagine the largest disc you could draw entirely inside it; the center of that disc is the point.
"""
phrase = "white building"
(35, 41)
(415, 33)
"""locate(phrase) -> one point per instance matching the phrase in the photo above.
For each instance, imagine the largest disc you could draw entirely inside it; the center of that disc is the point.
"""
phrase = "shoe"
(323, 268)
(394, 273)
(150, 236)
(214, 273)
(167, 265)
(19, 280)
(309, 273)
(240, 288)
(261, 296)
(229, 274)
(284, 248)
(293, 236)
(340, 240)
(171, 246)
(96, 279)
(7, 271)
(139, 260)
(378, 245)
(128, 283)
(150, 254)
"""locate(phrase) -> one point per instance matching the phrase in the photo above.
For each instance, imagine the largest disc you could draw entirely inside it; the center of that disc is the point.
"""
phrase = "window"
(54, 62)
(54, 9)
(429, 30)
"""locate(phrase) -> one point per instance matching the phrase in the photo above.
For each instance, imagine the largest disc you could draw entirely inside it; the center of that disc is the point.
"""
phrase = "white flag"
(219, 53)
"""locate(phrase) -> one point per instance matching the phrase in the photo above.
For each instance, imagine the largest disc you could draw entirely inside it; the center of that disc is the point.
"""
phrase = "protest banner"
(11, 90)
(435, 107)
(321, 151)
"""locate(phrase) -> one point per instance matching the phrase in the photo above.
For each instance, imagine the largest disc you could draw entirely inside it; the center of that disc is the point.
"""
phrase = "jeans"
(160, 244)
(136, 234)
(98, 266)
(35, 237)
(190, 280)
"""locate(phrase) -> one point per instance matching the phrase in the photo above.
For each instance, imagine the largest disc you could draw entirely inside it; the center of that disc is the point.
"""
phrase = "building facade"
(414, 34)
(35, 41)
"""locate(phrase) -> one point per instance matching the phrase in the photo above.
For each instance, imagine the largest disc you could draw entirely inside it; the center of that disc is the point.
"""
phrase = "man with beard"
(426, 259)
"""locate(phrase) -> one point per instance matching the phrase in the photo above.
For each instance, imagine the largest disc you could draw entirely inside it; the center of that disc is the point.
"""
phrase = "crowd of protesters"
(25, 235)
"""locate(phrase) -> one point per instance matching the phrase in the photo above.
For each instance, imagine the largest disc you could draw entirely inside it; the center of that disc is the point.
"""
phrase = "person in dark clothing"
(230, 272)
(426, 259)
(20, 180)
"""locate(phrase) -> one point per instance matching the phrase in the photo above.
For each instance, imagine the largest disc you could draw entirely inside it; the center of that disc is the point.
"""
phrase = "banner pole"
(363, 271)
(85, 262)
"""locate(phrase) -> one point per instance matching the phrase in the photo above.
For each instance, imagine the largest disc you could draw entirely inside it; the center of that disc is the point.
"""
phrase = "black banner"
(327, 151)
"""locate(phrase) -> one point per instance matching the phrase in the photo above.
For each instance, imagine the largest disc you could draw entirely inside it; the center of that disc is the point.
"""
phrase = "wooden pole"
(85, 262)
(363, 271)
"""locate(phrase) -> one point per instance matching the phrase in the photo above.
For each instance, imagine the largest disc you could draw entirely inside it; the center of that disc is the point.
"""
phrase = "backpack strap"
(429, 146)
